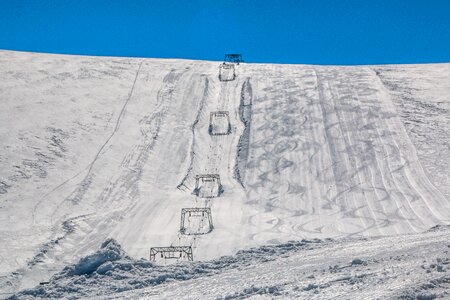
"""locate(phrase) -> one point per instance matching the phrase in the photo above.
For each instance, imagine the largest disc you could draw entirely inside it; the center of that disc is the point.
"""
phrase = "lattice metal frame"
(226, 66)
(233, 58)
(219, 114)
(205, 178)
(195, 211)
(172, 252)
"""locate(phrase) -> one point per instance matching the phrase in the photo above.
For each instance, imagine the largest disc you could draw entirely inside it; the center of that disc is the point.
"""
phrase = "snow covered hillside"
(96, 148)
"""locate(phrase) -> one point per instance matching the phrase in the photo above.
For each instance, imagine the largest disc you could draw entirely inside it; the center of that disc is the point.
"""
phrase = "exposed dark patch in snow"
(56, 142)
(439, 228)
(4, 187)
(358, 261)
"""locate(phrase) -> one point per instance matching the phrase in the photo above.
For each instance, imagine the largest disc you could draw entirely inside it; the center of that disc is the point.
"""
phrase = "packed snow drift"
(415, 266)
(109, 151)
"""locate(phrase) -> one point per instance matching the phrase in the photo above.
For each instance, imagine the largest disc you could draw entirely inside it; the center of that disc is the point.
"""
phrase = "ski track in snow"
(318, 152)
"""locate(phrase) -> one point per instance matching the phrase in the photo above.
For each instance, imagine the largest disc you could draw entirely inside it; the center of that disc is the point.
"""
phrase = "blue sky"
(278, 31)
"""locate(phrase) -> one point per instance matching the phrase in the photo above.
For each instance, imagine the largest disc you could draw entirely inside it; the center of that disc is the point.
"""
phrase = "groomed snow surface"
(349, 163)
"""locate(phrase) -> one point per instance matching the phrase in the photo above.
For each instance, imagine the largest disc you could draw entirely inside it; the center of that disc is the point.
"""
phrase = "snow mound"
(109, 251)
(110, 270)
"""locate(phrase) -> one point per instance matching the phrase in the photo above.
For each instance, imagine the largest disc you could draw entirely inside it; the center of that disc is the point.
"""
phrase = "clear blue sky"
(279, 31)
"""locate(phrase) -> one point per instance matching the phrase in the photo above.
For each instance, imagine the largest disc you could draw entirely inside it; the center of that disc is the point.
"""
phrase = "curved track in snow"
(322, 152)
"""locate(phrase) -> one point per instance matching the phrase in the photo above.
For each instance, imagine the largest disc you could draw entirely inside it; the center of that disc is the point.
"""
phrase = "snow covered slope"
(95, 148)
(400, 267)
(411, 266)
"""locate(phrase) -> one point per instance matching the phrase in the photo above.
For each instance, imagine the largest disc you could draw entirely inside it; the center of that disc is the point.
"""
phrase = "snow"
(400, 267)
(109, 148)
(406, 267)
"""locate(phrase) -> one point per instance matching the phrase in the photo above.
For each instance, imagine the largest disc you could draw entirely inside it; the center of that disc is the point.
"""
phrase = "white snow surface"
(403, 267)
(95, 148)
(414, 266)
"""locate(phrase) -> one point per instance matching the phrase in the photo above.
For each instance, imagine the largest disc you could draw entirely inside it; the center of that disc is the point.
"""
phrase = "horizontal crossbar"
(196, 209)
(216, 176)
(186, 249)
(227, 66)
(170, 252)
(220, 113)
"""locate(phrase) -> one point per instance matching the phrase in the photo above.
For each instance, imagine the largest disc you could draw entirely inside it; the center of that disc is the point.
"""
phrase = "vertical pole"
(211, 226)
(182, 221)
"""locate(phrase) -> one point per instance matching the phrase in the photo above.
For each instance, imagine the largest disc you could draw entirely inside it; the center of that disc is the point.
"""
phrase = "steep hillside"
(95, 148)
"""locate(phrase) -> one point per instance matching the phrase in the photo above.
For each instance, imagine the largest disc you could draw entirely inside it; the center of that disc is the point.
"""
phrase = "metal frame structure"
(219, 114)
(196, 212)
(172, 252)
(207, 178)
(233, 58)
(226, 66)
